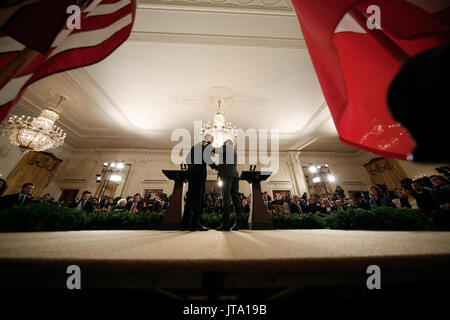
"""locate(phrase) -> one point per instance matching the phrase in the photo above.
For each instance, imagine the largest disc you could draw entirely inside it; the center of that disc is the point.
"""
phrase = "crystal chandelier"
(220, 129)
(36, 134)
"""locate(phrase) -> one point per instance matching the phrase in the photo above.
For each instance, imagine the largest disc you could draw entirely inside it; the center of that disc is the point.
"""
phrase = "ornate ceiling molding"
(223, 40)
(268, 5)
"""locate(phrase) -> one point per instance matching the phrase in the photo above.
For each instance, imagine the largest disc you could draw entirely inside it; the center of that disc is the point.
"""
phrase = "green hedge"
(383, 218)
(46, 217)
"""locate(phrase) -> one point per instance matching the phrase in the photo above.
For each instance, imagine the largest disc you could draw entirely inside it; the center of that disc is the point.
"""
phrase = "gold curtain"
(385, 171)
(35, 167)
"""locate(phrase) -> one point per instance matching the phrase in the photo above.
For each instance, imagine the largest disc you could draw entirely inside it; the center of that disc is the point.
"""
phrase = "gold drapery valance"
(35, 167)
(385, 171)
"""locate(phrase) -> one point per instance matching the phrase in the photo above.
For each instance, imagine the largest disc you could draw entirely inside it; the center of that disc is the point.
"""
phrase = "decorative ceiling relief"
(230, 98)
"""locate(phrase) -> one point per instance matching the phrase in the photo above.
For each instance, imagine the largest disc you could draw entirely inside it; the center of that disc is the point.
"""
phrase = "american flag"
(355, 64)
(35, 41)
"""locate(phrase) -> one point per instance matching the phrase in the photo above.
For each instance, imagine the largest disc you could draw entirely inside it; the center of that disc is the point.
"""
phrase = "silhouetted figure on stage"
(197, 181)
(229, 175)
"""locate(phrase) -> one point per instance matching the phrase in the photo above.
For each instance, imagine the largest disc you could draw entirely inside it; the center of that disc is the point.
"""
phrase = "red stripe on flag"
(76, 57)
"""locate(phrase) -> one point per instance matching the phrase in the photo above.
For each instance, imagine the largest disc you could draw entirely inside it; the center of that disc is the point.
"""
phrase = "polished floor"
(213, 251)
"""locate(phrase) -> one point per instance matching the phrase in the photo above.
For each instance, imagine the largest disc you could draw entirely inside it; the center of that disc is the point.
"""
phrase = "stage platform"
(182, 259)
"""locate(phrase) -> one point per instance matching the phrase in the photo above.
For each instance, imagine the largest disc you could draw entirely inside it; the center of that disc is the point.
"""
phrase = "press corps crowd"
(429, 195)
(85, 202)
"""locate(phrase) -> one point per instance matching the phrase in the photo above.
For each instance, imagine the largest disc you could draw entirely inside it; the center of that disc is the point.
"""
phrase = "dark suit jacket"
(11, 199)
(139, 206)
(295, 209)
(269, 204)
(200, 167)
(227, 167)
(88, 206)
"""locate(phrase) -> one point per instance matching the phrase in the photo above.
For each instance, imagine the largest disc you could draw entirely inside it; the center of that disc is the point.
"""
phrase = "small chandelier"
(220, 130)
(36, 134)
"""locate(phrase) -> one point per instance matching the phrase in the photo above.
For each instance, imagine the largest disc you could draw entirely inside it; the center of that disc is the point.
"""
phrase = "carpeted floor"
(212, 251)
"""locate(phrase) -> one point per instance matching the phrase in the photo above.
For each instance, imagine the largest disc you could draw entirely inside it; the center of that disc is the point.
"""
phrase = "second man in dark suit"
(229, 175)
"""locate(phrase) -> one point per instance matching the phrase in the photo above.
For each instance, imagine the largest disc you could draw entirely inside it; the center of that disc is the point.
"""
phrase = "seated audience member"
(339, 192)
(304, 196)
(326, 207)
(62, 203)
(22, 198)
(95, 202)
(295, 205)
(424, 197)
(410, 197)
(84, 203)
(245, 206)
(330, 197)
(135, 206)
(312, 206)
(400, 199)
(339, 205)
(46, 198)
(360, 202)
(352, 204)
(267, 202)
(441, 193)
(285, 207)
(3, 186)
(105, 204)
(378, 199)
(218, 206)
(120, 205)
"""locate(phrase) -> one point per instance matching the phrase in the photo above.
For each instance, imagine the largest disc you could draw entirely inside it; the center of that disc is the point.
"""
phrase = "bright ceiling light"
(115, 178)
(312, 169)
(316, 180)
(105, 164)
(331, 178)
(120, 165)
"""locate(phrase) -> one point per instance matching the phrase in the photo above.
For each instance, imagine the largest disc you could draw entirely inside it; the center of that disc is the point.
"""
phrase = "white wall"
(79, 167)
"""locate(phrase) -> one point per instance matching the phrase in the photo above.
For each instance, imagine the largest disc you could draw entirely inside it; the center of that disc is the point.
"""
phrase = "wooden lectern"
(258, 218)
(172, 219)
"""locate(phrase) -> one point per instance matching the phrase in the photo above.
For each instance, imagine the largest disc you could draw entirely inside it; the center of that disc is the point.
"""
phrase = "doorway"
(68, 195)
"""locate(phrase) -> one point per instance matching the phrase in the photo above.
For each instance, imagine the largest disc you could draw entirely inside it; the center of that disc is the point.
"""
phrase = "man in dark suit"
(21, 198)
(197, 159)
(84, 203)
(295, 205)
(267, 202)
(229, 175)
(136, 205)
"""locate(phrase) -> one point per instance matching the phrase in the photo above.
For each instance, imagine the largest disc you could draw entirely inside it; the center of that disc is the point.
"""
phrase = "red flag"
(105, 25)
(355, 65)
